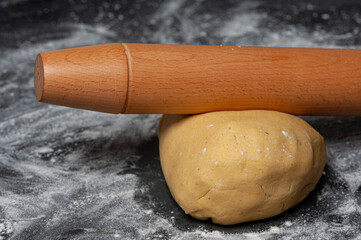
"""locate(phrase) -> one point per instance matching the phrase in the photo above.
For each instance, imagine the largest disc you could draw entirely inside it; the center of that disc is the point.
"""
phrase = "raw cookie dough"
(238, 166)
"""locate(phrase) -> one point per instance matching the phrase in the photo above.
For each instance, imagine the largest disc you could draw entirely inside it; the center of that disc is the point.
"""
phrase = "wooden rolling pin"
(183, 79)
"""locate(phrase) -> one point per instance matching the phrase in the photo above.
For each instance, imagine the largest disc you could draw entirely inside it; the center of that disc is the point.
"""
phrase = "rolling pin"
(186, 79)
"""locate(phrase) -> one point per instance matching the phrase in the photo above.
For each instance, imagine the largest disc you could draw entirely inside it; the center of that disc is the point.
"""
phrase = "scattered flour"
(288, 223)
(68, 167)
(285, 133)
(44, 150)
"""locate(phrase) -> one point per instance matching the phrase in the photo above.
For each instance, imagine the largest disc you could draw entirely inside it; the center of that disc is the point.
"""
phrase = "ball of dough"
(238, 166)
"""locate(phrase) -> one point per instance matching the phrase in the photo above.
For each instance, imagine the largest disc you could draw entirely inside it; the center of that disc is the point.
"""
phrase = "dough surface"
(239, 166)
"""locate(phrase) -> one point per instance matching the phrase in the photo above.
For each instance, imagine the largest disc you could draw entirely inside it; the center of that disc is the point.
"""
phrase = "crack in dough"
(249, 165)
(204, 195)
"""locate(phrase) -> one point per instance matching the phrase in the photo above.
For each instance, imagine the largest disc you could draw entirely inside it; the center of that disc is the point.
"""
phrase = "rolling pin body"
(186, 79)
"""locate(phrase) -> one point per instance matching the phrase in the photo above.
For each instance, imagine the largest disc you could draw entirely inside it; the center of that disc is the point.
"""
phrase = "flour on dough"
(238, 166)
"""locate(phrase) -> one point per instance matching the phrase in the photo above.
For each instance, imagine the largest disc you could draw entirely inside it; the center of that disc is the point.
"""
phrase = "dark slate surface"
(73, 174)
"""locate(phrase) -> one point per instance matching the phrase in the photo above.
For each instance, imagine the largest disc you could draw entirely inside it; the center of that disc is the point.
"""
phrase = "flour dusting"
(81, 174)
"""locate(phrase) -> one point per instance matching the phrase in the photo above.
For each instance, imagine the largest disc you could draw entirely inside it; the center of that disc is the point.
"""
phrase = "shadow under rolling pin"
(186, 79)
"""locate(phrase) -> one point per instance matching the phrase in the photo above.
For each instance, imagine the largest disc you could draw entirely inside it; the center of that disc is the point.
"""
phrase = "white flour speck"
(288, 223)
(286, 134)
(275, 229)
(44, 150)
(150, 211)
(204, 150)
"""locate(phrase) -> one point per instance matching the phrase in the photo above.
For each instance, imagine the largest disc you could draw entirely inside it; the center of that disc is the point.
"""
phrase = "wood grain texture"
(185, 79)
(93, 78)
(193, 79)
